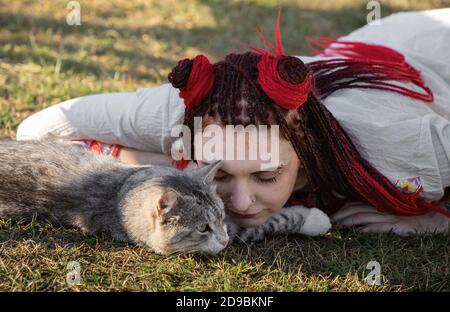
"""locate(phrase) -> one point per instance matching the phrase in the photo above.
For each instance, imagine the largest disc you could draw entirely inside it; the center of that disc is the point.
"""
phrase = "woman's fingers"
(350, 209)
(370, 220)
(364, 217)
(387, 228)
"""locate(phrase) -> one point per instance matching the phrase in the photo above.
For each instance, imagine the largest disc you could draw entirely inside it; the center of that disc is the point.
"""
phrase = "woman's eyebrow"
(270, 169)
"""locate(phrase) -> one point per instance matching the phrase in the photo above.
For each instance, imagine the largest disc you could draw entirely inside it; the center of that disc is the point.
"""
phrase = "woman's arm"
(370, 220)
(135, 157)
(141, 120)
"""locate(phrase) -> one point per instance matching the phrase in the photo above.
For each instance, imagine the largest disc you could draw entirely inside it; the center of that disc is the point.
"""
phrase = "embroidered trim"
(99, 147)
(409, 185)
(446, 204)
(445, 200)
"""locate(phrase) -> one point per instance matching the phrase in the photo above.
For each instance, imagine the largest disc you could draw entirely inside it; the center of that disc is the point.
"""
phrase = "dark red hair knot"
(195, 80)
(292, 69)
(279, 80)
(179, 75)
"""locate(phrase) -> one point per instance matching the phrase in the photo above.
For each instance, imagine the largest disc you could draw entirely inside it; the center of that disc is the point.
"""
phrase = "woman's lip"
(243, 216)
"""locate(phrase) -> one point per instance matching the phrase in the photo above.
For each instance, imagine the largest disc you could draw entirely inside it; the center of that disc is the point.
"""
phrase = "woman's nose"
(241, 199)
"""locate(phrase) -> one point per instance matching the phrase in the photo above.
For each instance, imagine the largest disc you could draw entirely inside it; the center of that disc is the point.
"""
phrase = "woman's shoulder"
(142, 119)
(158, 112)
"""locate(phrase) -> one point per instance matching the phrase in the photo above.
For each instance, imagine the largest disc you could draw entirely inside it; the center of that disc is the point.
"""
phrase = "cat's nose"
(224, 242)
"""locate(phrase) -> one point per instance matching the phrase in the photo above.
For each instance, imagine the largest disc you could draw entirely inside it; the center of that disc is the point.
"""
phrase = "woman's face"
(252, 195)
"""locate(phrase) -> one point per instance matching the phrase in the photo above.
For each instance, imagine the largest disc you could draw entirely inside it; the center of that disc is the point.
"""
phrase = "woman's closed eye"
(266, 176)
(221, 175)
(260, 176)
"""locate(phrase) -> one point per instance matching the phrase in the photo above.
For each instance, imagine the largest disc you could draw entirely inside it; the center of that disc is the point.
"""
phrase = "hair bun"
(194, 78)
(179, 75)
(292, 69)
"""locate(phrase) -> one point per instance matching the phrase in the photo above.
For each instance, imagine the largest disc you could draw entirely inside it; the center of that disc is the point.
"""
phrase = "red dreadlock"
(270, 88)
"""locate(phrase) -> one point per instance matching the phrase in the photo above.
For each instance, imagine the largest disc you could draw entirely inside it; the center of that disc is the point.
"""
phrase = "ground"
(123, 45)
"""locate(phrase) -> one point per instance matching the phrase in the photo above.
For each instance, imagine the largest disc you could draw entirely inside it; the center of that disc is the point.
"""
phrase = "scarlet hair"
(331, 161)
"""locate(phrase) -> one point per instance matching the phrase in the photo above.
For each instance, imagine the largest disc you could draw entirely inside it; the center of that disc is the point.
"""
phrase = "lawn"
(123, 45)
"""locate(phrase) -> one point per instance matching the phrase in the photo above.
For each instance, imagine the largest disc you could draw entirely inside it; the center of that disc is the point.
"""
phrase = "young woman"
(364, 126)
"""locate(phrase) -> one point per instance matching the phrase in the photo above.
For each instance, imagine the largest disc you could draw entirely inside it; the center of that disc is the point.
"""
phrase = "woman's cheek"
(273, 197)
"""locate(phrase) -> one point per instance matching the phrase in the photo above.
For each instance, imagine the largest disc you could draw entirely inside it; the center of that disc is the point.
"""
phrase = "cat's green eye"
(202, 228)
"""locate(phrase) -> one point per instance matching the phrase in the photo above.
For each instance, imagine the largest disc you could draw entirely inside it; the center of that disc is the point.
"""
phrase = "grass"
(123, 45)
(35, 257)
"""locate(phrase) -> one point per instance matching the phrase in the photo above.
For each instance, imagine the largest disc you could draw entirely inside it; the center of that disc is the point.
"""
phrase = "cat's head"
(180, 212)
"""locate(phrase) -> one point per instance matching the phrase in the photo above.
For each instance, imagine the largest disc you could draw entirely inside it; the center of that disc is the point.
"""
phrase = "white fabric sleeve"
(405, 139)
(440, 135)
(412, 31)
(141, 120)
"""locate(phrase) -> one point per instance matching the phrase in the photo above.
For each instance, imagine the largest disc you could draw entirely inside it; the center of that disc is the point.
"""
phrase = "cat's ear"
(166, 201)
(208, 172)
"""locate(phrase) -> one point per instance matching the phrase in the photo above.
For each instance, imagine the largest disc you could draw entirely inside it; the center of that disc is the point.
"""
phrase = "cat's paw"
(317, 223)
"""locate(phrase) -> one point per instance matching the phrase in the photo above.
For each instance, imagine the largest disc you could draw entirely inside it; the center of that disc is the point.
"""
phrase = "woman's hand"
(371, 220)
(132, 156)
(135, 157)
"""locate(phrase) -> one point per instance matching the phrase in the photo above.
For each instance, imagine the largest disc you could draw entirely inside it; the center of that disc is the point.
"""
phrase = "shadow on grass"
(235, 22)
(413, 263)
(337, 261)
(14, 233)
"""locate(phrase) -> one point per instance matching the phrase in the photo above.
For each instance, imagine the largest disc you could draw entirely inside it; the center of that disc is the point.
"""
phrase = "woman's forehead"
(239, 167)
(240, 137)
(251, 163)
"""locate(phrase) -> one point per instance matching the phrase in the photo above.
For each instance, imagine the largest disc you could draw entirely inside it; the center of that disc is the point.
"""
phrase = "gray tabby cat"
(166, 209)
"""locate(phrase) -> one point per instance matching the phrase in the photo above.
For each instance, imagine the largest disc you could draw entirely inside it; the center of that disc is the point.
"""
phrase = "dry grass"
(35, 257)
